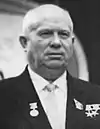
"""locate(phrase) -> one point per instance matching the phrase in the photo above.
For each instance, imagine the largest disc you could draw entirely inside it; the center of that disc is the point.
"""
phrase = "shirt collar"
(37, 80)
(40, 82)
(61, 82)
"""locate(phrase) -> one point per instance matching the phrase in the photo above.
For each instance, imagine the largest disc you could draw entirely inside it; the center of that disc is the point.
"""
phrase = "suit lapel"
(30, 96)
(74, 116)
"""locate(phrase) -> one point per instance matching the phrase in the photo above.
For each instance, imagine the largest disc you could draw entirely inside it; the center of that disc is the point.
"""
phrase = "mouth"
(55, 55)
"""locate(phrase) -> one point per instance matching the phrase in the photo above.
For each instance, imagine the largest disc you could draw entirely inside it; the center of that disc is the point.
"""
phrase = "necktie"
(51, 106)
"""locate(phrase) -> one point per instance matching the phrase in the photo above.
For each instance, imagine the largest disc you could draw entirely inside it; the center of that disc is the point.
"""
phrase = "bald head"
(38, 15)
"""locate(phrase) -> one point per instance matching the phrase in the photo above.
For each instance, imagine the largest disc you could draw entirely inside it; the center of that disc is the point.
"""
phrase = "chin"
(54, 64)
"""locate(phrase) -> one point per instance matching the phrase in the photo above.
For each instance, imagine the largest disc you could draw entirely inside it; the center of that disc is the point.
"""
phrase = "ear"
(23, 41)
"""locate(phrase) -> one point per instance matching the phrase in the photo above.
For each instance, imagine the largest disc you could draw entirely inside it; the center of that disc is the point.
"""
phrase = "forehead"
(54, 23)
(52, 15)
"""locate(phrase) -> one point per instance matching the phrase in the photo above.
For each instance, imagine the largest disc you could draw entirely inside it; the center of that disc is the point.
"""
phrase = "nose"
(56, 43)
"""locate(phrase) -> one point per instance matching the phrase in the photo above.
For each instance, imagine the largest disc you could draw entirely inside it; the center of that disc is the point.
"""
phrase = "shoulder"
(81, 84)
(10, 85)
(85, 84)
(9, 81)
(13, 81)
(8, 88)
(90, 90)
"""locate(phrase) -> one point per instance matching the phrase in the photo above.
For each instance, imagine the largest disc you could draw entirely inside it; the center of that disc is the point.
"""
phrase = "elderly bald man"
(45, 95)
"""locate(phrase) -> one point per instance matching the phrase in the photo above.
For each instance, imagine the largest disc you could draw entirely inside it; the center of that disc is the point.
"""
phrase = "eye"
(64, 34)
(45, 33)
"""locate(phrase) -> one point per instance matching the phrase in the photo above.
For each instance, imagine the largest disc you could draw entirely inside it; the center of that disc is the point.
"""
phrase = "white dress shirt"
(61, 93)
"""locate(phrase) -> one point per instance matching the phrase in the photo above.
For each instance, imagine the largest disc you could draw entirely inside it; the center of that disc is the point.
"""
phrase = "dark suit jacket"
(17, 93)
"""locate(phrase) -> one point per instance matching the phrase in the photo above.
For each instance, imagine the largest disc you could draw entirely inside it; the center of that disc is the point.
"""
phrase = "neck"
(49, 74)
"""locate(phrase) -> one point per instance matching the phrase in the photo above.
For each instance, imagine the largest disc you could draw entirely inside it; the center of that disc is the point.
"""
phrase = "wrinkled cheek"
(36, 51)
(69, 50)
(30, 57)
(34, 57)
(37, 46)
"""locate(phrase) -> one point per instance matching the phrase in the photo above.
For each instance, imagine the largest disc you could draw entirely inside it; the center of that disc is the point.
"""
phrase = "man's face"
(50, 45)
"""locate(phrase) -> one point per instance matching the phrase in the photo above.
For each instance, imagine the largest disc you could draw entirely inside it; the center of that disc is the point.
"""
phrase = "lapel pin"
(34, 112)
(78, 104)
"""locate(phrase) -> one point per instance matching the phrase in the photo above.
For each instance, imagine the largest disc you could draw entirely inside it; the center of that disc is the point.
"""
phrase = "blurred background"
(86, 18)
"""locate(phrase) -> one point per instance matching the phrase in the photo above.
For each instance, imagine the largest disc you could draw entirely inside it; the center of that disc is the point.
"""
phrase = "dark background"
(86, 17)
